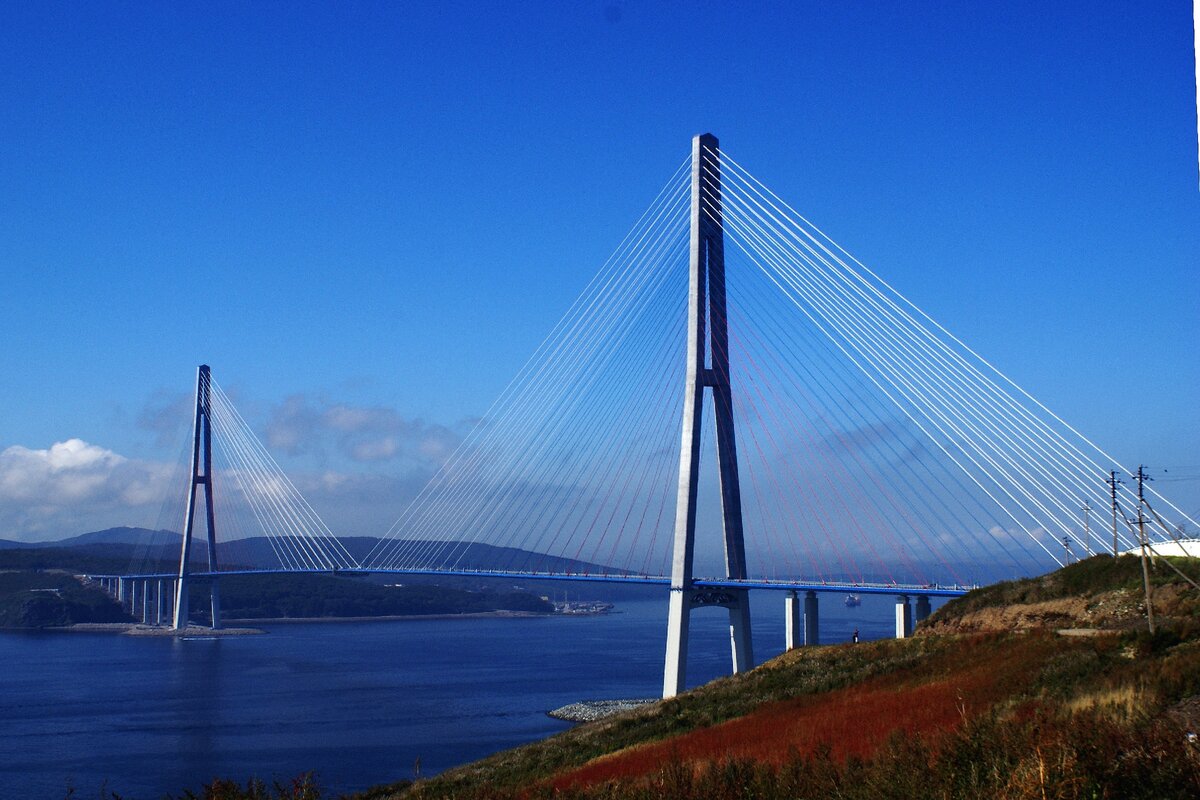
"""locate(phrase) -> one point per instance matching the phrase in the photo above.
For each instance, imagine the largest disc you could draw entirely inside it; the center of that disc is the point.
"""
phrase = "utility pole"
(1112, 487)
(1067, 548)
(1087, 528)
(1141, 519)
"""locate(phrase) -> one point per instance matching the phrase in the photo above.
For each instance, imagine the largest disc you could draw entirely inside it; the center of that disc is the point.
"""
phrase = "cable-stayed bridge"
(733, 402)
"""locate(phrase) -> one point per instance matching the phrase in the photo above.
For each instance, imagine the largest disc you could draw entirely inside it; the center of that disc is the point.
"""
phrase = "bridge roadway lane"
(933, 590)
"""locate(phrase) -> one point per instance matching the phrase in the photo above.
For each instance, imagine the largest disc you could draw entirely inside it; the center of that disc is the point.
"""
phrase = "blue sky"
(373, 212)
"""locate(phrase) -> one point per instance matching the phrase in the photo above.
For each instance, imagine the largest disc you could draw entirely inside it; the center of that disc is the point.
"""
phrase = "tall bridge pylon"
(201, 478)
(706, 367)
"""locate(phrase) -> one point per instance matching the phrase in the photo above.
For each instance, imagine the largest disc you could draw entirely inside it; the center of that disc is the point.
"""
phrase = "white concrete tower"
(707, 366)
(201, 477)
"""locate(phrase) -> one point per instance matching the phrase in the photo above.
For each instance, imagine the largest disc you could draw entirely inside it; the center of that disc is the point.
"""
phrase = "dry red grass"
(854, 721)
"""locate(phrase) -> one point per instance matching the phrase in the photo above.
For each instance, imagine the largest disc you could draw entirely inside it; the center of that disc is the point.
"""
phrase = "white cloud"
(74, 486)
(366, 434)
(69, 470)
(54, 490)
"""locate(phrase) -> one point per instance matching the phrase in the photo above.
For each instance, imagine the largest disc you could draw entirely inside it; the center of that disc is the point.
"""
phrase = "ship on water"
(853, 601)
(582, 607)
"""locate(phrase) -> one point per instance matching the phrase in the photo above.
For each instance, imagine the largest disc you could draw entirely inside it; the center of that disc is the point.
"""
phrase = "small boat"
(853, 601)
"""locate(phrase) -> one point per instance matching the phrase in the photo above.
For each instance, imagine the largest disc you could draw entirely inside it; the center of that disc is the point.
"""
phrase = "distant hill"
(120, 535)
(126, 549)
(123, 535)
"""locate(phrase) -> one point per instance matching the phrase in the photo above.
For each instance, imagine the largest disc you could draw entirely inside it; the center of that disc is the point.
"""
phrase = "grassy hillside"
(1000, 714)
(1100, 592)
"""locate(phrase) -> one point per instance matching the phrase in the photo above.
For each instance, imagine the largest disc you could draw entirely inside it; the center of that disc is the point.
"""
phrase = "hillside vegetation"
(1025, 713)
(53, 599)
(283, 596)
(1099, 593)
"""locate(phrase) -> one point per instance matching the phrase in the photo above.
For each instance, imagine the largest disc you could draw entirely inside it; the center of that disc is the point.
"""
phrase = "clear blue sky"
(382, 207)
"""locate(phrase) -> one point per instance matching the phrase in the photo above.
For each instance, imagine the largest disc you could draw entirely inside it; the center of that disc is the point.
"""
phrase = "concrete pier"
(121, 590)
(791, 606)
(216, 605)
(923, 608)
(812, 623)
(903, 617)
(181, 604)
(146, 602)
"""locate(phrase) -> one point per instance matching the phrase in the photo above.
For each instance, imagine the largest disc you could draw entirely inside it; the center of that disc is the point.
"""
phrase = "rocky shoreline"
(592, 710)
(138, 629)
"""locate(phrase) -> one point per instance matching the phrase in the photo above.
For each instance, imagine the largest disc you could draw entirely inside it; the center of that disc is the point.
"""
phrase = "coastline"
(592, 710)
(139, 629)
(393, 617)
(242, 626)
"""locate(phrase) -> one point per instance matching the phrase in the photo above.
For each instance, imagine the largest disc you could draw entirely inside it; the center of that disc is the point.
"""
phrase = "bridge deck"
(649, 580)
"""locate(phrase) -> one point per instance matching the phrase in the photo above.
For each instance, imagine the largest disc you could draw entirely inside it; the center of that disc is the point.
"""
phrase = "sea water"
(355, 703)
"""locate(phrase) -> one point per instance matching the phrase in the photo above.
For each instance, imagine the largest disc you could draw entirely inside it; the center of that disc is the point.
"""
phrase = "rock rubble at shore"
(138, 629)
(592, 710)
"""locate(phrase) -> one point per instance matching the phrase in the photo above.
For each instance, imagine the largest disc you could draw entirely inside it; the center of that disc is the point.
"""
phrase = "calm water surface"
(356, 703)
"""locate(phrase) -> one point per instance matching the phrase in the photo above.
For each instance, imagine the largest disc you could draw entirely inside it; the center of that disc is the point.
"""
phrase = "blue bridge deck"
(934, 590)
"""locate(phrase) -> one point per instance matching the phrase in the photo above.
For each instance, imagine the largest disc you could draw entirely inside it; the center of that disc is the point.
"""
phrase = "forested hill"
(53, 599)
(304, 596)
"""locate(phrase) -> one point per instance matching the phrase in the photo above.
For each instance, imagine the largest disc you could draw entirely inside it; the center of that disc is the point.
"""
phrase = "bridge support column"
(812, 624)
(739, 632)
(180, 619)
(216, 604)
(923, 609)
(159, 605)
(678, 618)
(146, 602)
(201, 478)
(707, 332)
(903, 617)
(791, 611)
(122, 589)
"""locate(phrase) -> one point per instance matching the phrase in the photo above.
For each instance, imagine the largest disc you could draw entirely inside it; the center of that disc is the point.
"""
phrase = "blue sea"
(356, 703)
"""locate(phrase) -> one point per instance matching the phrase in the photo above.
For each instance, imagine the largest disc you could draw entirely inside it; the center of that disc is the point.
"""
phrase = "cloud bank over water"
(357, 465)
(51, 491)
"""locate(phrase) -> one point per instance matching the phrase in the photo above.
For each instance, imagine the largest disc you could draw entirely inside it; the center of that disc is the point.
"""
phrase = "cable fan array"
(928, 461)
(571, 470)
(262, 519)
(873, 446)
